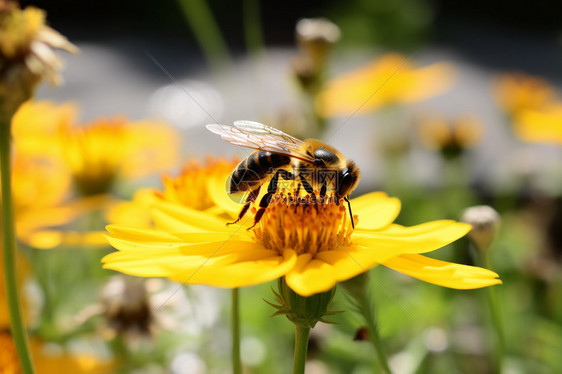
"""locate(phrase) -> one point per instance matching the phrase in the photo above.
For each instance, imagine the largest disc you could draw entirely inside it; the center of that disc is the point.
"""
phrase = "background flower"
(408, 85)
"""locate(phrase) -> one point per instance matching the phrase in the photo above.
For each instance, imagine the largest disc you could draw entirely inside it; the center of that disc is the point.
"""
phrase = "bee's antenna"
(350, 214)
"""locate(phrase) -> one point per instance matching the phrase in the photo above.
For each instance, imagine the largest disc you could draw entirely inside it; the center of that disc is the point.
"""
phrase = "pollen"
(305, 224)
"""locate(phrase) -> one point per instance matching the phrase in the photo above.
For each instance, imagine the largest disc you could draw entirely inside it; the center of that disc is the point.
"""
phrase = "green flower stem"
(497, 324)
(301, 348)
(358, 290)
(9, 248)
(207, 32)
(236, 362)
(367, 311)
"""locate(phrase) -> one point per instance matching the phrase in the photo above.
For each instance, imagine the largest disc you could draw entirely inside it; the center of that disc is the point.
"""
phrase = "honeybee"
(315, 165)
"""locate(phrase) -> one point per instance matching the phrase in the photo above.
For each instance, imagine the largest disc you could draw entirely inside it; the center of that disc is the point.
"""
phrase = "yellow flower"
(380, 83)
(540, 125)
(50, 361)
(313, 246)
(517, 91)
(101, 151)
(96, 153)
(198, 186)
(36, 127)
(41, 188)
(9, 362)
(26, 53)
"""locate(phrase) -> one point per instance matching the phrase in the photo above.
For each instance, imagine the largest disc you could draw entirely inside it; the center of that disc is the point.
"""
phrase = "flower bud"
(316, 36)
(485, 221)
(127, 307)
(27, 54)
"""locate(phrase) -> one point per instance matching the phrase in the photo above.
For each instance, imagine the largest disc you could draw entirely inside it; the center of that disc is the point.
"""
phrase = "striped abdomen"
(251, 172)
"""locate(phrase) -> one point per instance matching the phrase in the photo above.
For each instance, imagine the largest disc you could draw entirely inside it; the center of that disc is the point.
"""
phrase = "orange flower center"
(304, 225)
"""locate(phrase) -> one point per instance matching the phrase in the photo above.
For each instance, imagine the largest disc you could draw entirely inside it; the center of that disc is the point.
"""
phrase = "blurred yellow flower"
(49, 361)
(36, 127)
(313, 246)
(450, 136)
(518, 91)
(540, 125)
(26, 53)
(97, 153)
(382, 83)
(41, 190)
(101, 151)
(9, 362)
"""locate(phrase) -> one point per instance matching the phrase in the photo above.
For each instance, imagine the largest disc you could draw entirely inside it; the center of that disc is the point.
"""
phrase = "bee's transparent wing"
(258, 136)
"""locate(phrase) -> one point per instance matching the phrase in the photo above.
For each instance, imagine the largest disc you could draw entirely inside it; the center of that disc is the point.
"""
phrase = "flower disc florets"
(305, 224)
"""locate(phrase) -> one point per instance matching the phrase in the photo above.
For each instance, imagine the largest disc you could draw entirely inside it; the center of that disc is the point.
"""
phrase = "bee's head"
(348, 179)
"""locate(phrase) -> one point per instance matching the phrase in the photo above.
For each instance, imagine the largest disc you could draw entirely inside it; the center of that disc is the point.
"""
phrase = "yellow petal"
(321, 273)
(353, 261)
(217, 187)
(443, 273)
(426, 82)
(140, 234)
(192, 233)
(350, 90)
(310, 276)
(375, 210)
(390, 79)
(228, 268)
(134, 213)
(165, 221)
(179, 261)
(190, 217)
(245, 273)
(141, 247)
(143, 266)
(540, 126)
(62, 214)
(48, 239)
(415, 239)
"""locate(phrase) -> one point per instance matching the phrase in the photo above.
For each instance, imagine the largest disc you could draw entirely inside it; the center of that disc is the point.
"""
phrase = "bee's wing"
(258, 136)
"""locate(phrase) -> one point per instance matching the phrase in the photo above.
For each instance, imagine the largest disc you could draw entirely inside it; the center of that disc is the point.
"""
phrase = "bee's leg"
(323, 190)
(350, 214)
(252, 196)
(271, 189)
(308, 188)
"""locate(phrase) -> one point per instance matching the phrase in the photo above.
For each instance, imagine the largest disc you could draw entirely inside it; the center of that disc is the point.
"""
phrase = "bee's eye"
(345, 184)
